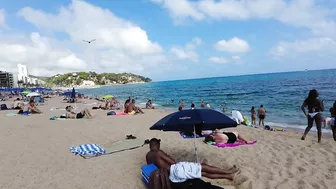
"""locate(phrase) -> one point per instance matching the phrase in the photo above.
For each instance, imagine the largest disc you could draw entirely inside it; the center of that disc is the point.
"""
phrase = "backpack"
(3, 107)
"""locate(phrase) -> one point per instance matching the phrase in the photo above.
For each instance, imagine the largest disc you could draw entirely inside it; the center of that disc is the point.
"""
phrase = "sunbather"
(225, 137)
(132, 109)
(31, 107)
(80, 115)
(182, 171)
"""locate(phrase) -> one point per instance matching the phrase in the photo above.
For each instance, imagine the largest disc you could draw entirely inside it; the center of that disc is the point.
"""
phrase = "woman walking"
(315, 108)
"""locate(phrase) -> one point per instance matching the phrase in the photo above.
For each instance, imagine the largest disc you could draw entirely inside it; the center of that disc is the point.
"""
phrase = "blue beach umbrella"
(189, 120)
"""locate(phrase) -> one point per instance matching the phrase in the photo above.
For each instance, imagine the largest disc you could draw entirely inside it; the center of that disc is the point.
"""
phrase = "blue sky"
(168, 39)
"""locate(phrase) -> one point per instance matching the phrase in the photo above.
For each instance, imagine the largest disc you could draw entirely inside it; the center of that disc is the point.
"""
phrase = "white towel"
(183, 171)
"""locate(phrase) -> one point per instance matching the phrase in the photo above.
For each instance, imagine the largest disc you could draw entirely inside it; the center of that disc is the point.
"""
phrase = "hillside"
(82, 78)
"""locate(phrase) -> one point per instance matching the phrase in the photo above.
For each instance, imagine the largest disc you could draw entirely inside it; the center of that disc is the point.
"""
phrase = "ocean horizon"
(281, 93)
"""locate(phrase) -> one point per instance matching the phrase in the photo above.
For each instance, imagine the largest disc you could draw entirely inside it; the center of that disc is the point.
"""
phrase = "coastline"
(35, 152)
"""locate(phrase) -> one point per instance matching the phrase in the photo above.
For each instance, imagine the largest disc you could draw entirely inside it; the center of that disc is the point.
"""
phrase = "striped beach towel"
(88, 150)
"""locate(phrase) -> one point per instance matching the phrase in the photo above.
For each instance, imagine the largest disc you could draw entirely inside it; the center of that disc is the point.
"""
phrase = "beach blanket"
(189, 136)
(114, 147)
(88, 150)
(123, 114)
(12, 114)
(238, 143)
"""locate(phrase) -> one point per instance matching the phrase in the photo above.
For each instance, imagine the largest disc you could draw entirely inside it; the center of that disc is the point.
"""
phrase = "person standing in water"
(202, 104)
(261, 115)
(315, 108)
(253, 116)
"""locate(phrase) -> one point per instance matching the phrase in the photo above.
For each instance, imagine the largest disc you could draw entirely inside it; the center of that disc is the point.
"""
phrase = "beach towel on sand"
(16, 114)
(238, 143)
(114, 147)
(189, 136)
(87, 150)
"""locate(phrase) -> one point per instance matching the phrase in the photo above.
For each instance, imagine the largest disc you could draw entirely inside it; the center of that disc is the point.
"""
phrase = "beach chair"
(146, 171)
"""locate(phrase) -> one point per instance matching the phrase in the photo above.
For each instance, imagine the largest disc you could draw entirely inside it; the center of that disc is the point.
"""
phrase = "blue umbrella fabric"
(186, 120)
(73, 93)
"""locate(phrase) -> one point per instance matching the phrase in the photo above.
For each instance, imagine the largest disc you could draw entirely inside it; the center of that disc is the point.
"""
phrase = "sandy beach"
(35, 153)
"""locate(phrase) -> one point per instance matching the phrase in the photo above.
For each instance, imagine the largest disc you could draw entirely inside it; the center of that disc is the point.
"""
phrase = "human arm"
(303, 108)
(167, 158)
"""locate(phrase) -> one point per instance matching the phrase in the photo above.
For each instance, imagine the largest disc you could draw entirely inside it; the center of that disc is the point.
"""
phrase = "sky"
(168, 39)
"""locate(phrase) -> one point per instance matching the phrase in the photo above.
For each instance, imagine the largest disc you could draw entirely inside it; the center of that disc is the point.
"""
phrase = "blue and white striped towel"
(88, 150)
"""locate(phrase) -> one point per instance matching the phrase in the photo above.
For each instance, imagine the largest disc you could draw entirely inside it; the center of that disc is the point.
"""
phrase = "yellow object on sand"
(108, 96)
(132, 112)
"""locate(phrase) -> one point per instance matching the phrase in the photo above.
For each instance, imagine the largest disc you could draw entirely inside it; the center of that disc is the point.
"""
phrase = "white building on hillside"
(22, 73)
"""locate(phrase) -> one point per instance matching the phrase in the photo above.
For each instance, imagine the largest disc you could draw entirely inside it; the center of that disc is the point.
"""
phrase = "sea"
(282, 94)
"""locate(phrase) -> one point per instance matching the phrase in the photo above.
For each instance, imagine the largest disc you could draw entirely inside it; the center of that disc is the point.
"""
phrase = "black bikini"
(232, 137)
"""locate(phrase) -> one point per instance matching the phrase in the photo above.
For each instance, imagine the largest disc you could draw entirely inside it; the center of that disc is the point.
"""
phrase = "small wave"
(293, 126)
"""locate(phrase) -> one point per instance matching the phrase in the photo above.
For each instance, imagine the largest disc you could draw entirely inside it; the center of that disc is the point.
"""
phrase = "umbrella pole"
(195, 144)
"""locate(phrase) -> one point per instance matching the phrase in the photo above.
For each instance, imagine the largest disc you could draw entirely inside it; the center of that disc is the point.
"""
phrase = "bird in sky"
(89, 41)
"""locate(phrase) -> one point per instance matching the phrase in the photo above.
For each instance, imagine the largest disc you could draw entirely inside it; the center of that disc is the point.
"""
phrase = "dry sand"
(35, 153)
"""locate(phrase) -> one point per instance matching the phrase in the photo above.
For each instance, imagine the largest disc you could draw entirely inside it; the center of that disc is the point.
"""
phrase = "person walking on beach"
(261, 115)
(253, 116)
(315, 108)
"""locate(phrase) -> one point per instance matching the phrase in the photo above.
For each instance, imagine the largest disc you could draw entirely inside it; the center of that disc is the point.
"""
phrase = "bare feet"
(238, 179)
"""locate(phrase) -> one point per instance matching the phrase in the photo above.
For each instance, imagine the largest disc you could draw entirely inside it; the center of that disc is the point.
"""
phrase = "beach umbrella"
(190, 120)
(33, 94)
(25, 92)
(108, 96)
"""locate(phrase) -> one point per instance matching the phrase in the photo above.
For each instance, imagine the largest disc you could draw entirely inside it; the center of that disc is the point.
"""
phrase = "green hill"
(77, 78)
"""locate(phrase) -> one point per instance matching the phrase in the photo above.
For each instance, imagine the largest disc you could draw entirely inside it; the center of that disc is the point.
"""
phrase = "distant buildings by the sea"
(20, 78)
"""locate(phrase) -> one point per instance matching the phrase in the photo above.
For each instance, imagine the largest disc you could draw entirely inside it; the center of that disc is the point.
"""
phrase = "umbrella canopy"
(186, 120)
(73, 93)
(108, 96)
(33, 94)
(25, 92)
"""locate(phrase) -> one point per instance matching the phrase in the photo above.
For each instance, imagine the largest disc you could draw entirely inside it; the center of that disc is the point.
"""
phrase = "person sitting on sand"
(18, 104)
(132, 109)
(80, 115)
(31, 107)
(182, 171)
(149, 105)
(225, 137)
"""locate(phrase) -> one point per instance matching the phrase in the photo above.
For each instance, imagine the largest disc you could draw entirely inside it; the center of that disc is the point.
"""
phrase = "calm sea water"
(282, 94)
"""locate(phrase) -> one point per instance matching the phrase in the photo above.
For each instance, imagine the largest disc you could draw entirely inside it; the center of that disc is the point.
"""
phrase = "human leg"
(310, 125)
(241, 138)
(318, 122)
(215, 170)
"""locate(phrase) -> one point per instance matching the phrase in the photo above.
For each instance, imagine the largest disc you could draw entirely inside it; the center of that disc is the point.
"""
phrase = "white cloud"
(236, 58)
(120, 45)
(188, 51)
(218, 60)
(299, 13)
(234, 45)
(313, 45)
(2, 18)
(180, 10)
(40, 54)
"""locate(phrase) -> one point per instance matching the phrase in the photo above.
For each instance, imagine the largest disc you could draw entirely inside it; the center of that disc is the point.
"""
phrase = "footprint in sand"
(301, 169)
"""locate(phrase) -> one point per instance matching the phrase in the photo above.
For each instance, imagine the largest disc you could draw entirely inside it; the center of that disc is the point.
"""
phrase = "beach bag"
(3, 107)
(111, 113)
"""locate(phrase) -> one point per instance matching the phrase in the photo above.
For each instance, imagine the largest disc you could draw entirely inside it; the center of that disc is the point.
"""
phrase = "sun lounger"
(146, 171)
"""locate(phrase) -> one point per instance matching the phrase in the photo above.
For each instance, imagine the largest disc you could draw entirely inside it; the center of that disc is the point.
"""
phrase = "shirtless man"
(225, 137)
(182, 171)
(261, 115)
(80, 115)
(132, 109)
(32, 108)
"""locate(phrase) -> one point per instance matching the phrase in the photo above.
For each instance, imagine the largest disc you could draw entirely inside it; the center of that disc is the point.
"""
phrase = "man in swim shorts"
(225, 137)
(80, 115)
(261, 115)
(182, 171)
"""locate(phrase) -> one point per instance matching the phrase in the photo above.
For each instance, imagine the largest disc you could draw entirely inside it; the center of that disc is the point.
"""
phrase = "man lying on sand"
(80, 115)
(225, 137)
(31, 107)
(181, 171)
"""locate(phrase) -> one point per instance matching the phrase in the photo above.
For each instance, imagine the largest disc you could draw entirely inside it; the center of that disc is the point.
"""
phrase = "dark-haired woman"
(315, 108)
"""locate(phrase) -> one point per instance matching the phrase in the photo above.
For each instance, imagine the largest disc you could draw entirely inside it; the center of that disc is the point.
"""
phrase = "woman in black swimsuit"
(315, 107)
